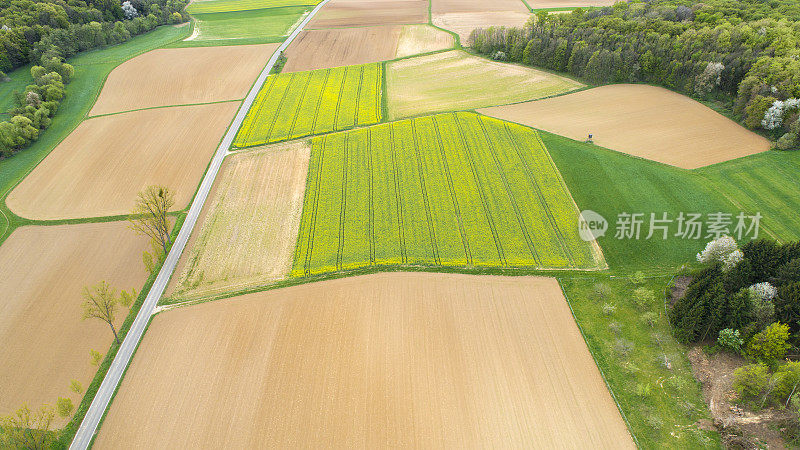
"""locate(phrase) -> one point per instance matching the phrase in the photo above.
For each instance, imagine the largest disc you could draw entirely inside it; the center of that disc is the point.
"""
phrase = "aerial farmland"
(399, 223)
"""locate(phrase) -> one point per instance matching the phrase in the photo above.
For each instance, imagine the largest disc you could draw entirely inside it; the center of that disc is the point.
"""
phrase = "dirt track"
(45, 344)
(247, 235)
(645, 121)
(178, 76)
(101, 166)
(386, 360)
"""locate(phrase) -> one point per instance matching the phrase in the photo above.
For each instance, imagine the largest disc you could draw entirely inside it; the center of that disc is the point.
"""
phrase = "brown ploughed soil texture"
(353, 13)
(101, 166)
(536, 4)
(45, 343)
(386, 360)
(322, 49)
(248, 229)
(179, 76)
(645, 121)
(462, 16)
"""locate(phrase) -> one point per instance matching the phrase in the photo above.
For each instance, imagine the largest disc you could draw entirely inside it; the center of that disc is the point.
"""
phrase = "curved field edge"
(91, 70)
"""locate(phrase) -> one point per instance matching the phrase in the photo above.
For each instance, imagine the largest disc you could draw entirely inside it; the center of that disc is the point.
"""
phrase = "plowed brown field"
(386, 360)
(321, 49)
(177, 76)
(645, 121)
(247, 233)
(45, 344)
(350, 13)
(99, 168)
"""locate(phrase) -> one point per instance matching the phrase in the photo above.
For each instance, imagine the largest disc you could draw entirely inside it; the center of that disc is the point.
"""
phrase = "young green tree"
(102, 302)
(27, 429)
(96, 357)
(149, 216)
(64, 407)
(76, 387)
(769, 345)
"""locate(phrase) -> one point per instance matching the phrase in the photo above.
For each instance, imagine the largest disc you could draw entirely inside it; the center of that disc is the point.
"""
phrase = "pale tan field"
(535, 4)
(321, 49)
(177, 76)
(645, 121)
(45, 344)
(99, 168)
(247, 236)
(349, 13)
(462, 23)
(448, 6)
(455, 80)
(387, 360)
(422, 39)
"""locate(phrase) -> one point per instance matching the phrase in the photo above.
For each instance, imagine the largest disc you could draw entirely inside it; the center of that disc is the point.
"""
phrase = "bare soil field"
(455, 80)
(176, 76)
(645, 121)
(385, 360)
(462, 23)
(416, 39)
(99, 168)
(322, 49)
(537, 4)
(45, 344)
(449, 6)
(246, 235)
(350, 13)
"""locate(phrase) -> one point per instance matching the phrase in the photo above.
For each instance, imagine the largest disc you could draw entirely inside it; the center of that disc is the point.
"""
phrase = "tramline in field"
(447, 190)
(305, 103)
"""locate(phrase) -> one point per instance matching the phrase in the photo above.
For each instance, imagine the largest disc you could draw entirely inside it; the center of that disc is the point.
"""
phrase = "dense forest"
(45, 33)
(742, 51)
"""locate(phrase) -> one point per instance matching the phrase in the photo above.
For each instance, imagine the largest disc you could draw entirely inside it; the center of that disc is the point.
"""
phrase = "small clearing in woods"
(246, 235)
(410, 359)
(102, 165)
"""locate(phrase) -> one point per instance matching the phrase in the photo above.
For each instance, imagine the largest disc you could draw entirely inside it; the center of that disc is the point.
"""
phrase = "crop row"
(301, 104)
(451, 189)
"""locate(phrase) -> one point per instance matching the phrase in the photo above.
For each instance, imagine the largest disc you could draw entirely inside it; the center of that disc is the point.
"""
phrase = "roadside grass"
(18, 79)
(267, 25)
(454, 190)
(765, 183)
(216, 6)
(645, 367)
(300, 104)
(91, 70)
(612, 183)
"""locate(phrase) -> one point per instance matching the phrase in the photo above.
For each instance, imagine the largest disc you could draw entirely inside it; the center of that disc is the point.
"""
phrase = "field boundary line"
(468, 153)
(299, 107)
(371, 225)
(343, 203)
(540, 196)
(453, 197)
(398, 203)
(147, 108)
(319, 101)
(313, 224)
(122, 358)
(510, 193)
(425, 200)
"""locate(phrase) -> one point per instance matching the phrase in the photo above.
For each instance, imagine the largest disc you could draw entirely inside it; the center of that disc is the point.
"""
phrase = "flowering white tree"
(764, 290)
(709, 79)
(733, 258)
(128, 9)
(721, 250)
(773, 118)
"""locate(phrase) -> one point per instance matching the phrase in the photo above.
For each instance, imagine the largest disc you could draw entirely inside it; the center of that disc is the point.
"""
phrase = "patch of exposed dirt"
(679, 287)
(739, 428)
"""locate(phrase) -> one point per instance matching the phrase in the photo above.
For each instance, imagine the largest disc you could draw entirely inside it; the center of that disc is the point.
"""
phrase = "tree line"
(46, 33)
(744, 51)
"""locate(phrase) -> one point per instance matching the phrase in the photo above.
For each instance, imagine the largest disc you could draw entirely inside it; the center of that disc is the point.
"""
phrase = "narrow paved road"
(89, 425)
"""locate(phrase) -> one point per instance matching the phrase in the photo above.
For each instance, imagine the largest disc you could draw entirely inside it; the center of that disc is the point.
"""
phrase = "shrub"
(650, 318)
(638, 277)
(718, 250)
(751, 381)
(608, 309)
(643, 297)
(730, 340)
(770, 345)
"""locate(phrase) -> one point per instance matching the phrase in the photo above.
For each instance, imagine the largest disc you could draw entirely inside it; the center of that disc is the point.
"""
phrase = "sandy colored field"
(45, 342)
(176, 76)
(536, 4)
(387, 360)
(247, 236)
(422, 39)
(321, 49)
(645, 121)
(462, 23)
(348, 13)
(449, 6)
(99, 168)
(455, 80)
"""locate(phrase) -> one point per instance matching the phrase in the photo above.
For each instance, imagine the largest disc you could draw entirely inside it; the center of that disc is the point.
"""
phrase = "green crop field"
(458, 190)
(305, 103)
(216, 6)
(767, 184)
(247, 27)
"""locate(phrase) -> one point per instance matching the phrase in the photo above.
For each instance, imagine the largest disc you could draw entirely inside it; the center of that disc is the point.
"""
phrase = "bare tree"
(27, 429)
(102, 302)
(149, 216)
